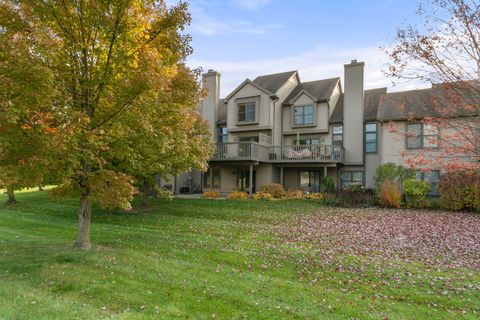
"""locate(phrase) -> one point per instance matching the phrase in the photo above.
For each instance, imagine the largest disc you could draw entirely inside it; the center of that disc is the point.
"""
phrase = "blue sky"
(246, 38)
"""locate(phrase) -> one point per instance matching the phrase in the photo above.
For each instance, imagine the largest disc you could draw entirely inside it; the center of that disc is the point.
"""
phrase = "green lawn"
(204, 259)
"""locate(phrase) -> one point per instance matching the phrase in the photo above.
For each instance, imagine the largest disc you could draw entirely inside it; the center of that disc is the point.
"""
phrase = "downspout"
(275, 99)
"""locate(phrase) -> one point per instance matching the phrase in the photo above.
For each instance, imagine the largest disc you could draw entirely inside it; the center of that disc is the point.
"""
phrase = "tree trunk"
(40, 188)
(146, 192)
(11, 197)
(84, 215)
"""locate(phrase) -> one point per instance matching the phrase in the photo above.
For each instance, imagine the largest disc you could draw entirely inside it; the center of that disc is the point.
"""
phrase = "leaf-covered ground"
(217, 259)
(437, 239)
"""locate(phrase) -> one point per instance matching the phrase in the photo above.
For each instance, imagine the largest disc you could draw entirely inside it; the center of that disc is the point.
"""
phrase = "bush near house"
(327, 184)
(415, 192)
(212, 194)
(314, 196)
(237, 195)
(261, 195)
(164, 194)
(389, 194)
(274, 189)
(294, 195)
(354, 196)
(393, 172)
(460, 190)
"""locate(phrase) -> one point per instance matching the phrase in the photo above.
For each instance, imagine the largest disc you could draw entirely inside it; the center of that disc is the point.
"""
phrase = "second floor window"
(246, 111)
(313, 141)
(337, 135)
(370, 137)
(303, 115)
(422, 136)
(248, 139)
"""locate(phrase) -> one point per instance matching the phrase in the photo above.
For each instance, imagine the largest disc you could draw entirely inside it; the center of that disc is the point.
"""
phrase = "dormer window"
(246, 111)
(303, 115)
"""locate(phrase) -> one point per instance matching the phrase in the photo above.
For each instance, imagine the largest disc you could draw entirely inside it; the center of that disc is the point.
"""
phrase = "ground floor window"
(432, 178)
(349, 178)
(310, 180)
(207, 184)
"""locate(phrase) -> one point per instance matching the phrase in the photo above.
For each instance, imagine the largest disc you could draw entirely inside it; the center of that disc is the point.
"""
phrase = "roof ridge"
(274, 74)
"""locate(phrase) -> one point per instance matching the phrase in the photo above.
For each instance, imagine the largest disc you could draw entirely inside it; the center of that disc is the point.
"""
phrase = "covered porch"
(305, 177)
(228, 176)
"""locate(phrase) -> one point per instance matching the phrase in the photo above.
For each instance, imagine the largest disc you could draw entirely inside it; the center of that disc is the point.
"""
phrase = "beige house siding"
(321, 115)
(263, 116)
(282, 94)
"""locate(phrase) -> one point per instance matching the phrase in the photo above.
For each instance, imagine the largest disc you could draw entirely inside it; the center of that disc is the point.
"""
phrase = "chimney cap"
(211, 72)
(354, 63)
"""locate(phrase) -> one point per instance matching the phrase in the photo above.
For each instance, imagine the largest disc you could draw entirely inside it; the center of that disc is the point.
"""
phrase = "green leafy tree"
(114, 65)
(24, 115)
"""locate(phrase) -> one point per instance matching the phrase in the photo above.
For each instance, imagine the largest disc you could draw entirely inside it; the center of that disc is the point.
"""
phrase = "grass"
(204, 259)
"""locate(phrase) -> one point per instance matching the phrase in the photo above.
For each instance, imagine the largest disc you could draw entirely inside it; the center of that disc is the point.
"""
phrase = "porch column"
(250, 180)
(281, 176)
(211, 178)
(325, 171)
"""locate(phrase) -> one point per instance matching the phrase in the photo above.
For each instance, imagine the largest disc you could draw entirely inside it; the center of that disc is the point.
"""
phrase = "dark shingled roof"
(321, 90)
(440, 100)
(273, 82)
(371, 105)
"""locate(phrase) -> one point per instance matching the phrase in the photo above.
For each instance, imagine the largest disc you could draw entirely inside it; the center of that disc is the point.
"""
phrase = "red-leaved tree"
(445, 51)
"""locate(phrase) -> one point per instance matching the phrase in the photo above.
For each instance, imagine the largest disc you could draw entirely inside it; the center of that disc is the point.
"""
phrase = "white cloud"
(319, 63)
(250, 4)
(204, 24)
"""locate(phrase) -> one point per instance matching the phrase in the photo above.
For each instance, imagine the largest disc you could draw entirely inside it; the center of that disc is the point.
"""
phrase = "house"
(279, 129)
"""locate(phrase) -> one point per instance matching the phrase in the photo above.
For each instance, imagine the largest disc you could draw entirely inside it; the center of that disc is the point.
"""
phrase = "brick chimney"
(353, 113)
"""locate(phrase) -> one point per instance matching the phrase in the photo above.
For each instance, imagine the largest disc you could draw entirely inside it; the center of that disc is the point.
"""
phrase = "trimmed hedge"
(460, 190)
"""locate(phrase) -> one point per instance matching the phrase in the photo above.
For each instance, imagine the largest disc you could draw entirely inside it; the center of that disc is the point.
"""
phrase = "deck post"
(281, 175)
(250, 180)
(211, 178)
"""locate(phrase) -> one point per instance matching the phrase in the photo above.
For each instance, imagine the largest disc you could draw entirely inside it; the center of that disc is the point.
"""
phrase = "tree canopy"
(123, 102)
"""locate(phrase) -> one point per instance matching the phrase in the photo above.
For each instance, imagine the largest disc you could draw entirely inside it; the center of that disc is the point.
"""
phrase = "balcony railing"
(238, 151)
(254, 151)
(306, 153)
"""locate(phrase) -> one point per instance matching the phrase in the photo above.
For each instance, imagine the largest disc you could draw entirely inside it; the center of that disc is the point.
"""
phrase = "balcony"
(240, 151)
(306, 153)
(261, 152)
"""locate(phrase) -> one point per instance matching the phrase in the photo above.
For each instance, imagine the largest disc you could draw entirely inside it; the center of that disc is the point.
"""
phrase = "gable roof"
(248, 81)
(371, 100)
(273, 82)
(320, 90)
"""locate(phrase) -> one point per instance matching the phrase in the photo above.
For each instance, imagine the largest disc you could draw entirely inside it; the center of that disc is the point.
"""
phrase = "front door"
(243, 180)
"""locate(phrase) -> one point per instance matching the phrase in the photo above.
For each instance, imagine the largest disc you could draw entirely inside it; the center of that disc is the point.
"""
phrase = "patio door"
(310, 180)
(243, 180)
